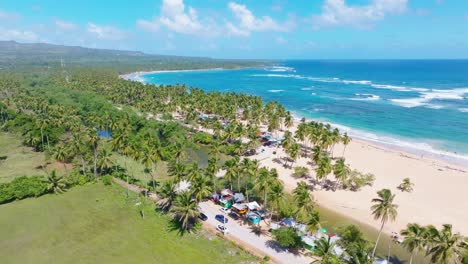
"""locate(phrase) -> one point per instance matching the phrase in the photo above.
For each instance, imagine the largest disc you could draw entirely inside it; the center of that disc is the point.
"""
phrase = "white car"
(225, 210)
(223, 229)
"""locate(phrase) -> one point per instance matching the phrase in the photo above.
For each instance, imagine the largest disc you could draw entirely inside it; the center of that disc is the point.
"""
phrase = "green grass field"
(20, 160)
(97, 224)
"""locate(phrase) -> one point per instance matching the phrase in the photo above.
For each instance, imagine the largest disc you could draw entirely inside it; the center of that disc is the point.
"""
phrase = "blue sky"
(279, 29)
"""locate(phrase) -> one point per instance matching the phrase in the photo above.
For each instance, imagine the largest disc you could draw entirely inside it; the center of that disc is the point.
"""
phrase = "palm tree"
(324, 249)
(185, 210)
(304, 201)
(94, 142)
(346, 140)
(294, 151)
(200, 188)
(263, 183)
(446, 247)
(193, 171)
(414, 240)
(288, 120)
(105, 161)
(341, 170)
(276, 196)
(232, 170)
(55, 184)
(167, 193)
(384, 210)
(313, 222)
(61, 154)
(177, 170)
(324, 168)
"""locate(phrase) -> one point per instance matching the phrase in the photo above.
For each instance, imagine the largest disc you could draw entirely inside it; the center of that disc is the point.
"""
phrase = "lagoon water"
(418, 105)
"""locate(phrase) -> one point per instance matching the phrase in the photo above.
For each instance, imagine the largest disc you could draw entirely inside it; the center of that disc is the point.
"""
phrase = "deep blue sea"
(418, 105)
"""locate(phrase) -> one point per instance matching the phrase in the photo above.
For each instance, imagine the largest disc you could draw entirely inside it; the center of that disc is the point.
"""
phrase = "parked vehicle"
(221, 218)
(223, 229)
(234, 215)
(225, 210)
(203, 217)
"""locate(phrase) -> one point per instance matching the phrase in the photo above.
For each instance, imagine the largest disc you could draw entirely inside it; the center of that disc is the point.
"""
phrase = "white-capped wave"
(307, 89)
(427, 97)
(452, 94)
(357, 82)
(463, 110)
(275, 91)
(313, 93)
(434, 106)
(280, 69)
(409, 102)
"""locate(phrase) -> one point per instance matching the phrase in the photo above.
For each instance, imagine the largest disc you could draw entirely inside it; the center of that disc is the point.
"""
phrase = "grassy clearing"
(97, 224)
(136, 169)
(20, 160)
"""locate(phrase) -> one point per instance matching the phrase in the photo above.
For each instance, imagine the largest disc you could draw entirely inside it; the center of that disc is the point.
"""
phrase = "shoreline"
(389, 142)
(438, 184)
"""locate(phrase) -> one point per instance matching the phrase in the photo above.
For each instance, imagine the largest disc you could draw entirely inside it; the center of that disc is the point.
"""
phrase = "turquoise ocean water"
(417, 105)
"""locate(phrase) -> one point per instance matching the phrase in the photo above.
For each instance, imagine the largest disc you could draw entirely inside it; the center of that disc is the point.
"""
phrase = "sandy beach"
(438, 197)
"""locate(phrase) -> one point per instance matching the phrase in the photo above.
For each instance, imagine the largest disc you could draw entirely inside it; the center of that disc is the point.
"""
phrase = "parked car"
(203, 217)
(223, 229)
(221, 218)
(225, 210)
(234, 215)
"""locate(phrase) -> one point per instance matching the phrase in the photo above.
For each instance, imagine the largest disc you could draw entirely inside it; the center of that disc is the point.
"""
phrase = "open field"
(97, 224)
(20, 160)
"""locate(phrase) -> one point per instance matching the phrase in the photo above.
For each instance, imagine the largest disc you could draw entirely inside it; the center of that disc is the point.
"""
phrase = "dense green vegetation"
(98, 224)
(96, 126)
(24, 57)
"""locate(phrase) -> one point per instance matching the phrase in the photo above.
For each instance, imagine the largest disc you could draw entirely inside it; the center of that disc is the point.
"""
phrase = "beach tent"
(253, 218)
(253, 206)
(239, 198)
(288, 222)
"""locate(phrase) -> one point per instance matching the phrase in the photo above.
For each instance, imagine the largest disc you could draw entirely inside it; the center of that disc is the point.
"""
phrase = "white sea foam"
(357, 82)
(463, 110)
(307, 89)
(313, 93)
(409, 102)
(275, 91)
(280, 69)
(434, 106)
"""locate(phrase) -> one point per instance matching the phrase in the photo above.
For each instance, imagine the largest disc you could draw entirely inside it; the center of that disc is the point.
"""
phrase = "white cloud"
(149, 26)
(18, 35)
(247, 22)
(338, 13)
(105, 32)
(62, 25)
(175, 18)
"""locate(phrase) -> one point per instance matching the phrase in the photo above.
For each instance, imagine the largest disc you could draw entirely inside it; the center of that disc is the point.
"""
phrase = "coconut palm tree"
(384, 210)
(201, 188)
(55, 184)
(232, 170)
(193, 171)
(313, 222)
(414, 239)
(185, 210)
(447, 247)
(263, 183)
(94, 142)
(177, 170)
(346, 140)
(167, 194)
(294, 152)
(324, 168)
(341, 171)
(105, 161)
(61, 154)
(304, 201)
(276, 195)
(324, 249)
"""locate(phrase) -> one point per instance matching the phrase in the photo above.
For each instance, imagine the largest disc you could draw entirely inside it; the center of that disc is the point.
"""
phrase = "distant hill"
(14, 55)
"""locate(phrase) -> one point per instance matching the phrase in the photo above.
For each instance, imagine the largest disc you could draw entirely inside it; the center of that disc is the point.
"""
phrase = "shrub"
(107, 180)
(288, 237)
(300, 172)
(357, 180)
(22, 187)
